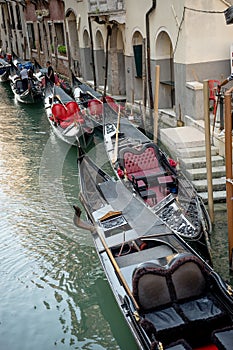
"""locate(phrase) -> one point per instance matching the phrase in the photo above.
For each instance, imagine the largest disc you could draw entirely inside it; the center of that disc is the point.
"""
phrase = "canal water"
(54, 294)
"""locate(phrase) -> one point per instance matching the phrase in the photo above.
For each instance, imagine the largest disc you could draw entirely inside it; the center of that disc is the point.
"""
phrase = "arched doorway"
(99, 58)
(137, 43)
(87, 68)
(164, 58)
(117, 63)
(74, 39)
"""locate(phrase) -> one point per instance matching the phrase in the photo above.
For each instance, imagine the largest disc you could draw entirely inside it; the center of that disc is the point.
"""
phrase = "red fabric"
(120, 173)
(113, 104)
(69, 112)
(65, 124)
(141, 162)
(95, 107)
(172, 162)
(59, 112)
(208, 347)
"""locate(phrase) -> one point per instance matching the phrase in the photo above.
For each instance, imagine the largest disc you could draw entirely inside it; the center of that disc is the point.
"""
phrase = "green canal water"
(54, 294)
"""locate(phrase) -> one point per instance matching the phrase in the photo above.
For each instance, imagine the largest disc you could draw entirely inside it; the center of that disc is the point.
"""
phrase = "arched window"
(137, 49)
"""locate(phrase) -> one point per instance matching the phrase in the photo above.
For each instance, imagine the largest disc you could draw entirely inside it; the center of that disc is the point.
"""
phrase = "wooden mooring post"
(229, 180)
(208, 150)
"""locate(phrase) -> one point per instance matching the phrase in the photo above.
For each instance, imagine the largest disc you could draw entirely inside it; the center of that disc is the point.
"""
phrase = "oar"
(205, 232)
(114, 159)
(79, 223)
(94, 97)
(59, 99)
(218, 99)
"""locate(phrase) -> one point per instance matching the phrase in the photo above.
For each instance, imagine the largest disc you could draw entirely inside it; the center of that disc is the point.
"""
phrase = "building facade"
(117, 45)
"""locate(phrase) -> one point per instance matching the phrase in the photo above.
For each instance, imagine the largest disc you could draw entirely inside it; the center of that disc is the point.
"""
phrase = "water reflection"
(53, 291)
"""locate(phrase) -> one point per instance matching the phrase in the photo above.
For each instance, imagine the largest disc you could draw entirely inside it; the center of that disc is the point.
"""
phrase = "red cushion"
(207, 347)
(59, 111)
(69, 112)
(65, 124)
(95, 107)
(140, 162)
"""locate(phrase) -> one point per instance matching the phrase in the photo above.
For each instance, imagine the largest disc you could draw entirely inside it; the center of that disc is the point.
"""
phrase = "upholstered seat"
(179, 345)
(165, 319)
(200, 309)
(176, 298)
(223, 339)
(141, 164)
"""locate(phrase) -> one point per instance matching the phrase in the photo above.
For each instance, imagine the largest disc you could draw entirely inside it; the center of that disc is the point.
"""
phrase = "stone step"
(182, 138)
(218, 196)
(200, 162)
(187, 145)
(200, 173)
(219, 184)
(199, 151)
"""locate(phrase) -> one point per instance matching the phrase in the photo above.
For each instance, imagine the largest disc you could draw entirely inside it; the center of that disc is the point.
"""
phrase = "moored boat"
(93, 101)
(4, 70)
(152, 176)
(41, 75)
(88, 99)
(31, 94)
(65, 117)
(169, 296)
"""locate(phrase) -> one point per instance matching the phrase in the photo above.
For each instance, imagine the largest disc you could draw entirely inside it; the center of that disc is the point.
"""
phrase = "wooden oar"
(117, 269)
(59, 99)
(78, 222)
(114, 159)
(218, 99)
(205, 231)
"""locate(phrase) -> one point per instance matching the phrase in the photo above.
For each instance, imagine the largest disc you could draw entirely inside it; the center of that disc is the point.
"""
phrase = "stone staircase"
(187, 145)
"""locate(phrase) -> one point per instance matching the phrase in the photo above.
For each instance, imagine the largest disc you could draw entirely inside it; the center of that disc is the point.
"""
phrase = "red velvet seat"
(95, 107)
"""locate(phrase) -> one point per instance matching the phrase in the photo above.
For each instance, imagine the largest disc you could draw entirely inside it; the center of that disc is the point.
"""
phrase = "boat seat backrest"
(19, 85)
(189, 278)
(59, 111)
(95, 107)
(150, 287)
(134, 161)
(184, 278)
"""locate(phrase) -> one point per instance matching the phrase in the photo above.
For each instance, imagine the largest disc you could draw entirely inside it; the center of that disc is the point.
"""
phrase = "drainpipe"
(148, 54)
(92, 53)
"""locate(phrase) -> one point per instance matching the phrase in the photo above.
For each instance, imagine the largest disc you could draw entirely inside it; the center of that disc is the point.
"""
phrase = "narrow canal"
(54, 294)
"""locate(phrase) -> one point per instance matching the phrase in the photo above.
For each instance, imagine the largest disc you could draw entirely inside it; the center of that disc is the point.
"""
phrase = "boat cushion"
(200, 309)
(136, 162)
(184, 271)
(165, 319)
(150, 288)
(115, 106)
(69, 112)
(19, 85)
(141, 163)
(223, 338)
(95, 107)
(180, 344)
(177, 297)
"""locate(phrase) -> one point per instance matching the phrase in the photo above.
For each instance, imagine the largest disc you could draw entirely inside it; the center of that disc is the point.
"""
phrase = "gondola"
(67, 121)
(169, 296)
(88, 99)
(41, 75)
(153, 177)
(4, 70)
(93, 102)
(34, 93)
